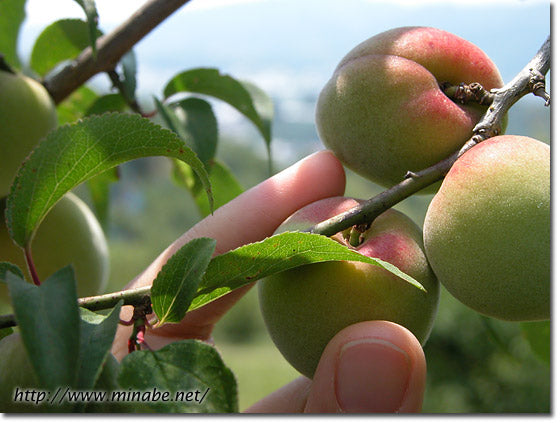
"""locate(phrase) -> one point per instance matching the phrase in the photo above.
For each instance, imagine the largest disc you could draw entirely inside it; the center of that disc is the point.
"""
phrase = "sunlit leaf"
(72, 154)
(255, 261)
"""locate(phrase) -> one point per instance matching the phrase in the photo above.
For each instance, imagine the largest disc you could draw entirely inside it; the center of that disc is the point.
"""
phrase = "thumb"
(369, 367)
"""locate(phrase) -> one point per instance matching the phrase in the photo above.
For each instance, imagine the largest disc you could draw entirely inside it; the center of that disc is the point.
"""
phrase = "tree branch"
(110, 48)
(530, 79)
(133, 297)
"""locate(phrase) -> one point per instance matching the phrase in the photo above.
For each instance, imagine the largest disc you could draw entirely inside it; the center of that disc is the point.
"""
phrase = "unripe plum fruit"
(383, 112)
(69, 235)
(15, 371)
(27, 114)
(487, 230)
(304, 307)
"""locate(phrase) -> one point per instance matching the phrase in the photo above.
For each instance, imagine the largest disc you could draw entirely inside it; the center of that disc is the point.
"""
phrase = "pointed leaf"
(62, 40)
(97, 333)
(12, 14)
(49, 323)
(72, 154)
(178, 280)
(192, 372)
(246, 98)
(255, 261)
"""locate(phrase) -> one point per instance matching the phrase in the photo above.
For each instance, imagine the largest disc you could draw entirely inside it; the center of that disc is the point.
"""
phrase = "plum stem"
(31, 266)
(468, 93)
(529, 80)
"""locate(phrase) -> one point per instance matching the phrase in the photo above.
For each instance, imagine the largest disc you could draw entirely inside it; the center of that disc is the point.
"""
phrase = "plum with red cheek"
(383, 112)
(487, 230)
(305, 307)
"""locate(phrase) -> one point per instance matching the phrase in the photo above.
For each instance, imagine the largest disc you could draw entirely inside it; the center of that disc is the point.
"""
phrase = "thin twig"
(110, 48)
(530, 79)
(133, 297)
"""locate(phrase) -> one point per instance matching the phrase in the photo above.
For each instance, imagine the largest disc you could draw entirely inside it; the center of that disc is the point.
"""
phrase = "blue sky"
(290, 47)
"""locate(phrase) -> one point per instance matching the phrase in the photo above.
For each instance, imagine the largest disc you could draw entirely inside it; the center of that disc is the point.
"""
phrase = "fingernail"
(372, 376)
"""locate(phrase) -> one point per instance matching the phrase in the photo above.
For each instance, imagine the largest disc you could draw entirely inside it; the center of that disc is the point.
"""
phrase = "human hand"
(368, 367)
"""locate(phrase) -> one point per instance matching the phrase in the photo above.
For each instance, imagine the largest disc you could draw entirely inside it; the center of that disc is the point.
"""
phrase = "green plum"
(304, 307)
(487, 230)
(27, 114)
(69, 235)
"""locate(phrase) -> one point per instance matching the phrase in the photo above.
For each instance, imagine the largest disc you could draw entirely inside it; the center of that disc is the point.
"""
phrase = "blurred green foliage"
(475, 364)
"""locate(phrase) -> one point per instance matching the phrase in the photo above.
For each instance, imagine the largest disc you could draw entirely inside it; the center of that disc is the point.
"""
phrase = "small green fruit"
(305, 307)
(15, 371)
(27, 114)
(383, 112)
(69, 235)
(487, 230)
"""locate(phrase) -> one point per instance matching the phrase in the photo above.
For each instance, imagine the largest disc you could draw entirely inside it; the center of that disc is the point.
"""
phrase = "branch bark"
(530, 79)
(133, 297)
(110, 48)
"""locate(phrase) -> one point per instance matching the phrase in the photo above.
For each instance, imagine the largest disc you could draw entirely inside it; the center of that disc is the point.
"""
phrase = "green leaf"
(12, 14)
(128, 64)
(194, 121)
(97, 333)
(199, 125)
(178, 280)
(6, 267)
(225, 187)
(72, 154)
(255, 261)
(189, 368)
(106, 103)
(75, 106)
(538, 336)
(245, 97)
(93, 19)
(49, 323)
(62, 40)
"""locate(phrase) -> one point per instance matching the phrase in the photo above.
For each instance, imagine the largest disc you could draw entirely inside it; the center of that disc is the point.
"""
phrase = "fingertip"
(370, 367)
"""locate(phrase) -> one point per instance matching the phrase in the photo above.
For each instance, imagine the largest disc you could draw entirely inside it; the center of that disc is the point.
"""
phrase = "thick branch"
(530, 79)
(110, 48)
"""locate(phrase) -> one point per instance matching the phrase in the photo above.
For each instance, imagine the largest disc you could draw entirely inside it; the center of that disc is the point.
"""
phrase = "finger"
(378, 367)
(368, 367)
(250, 217)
